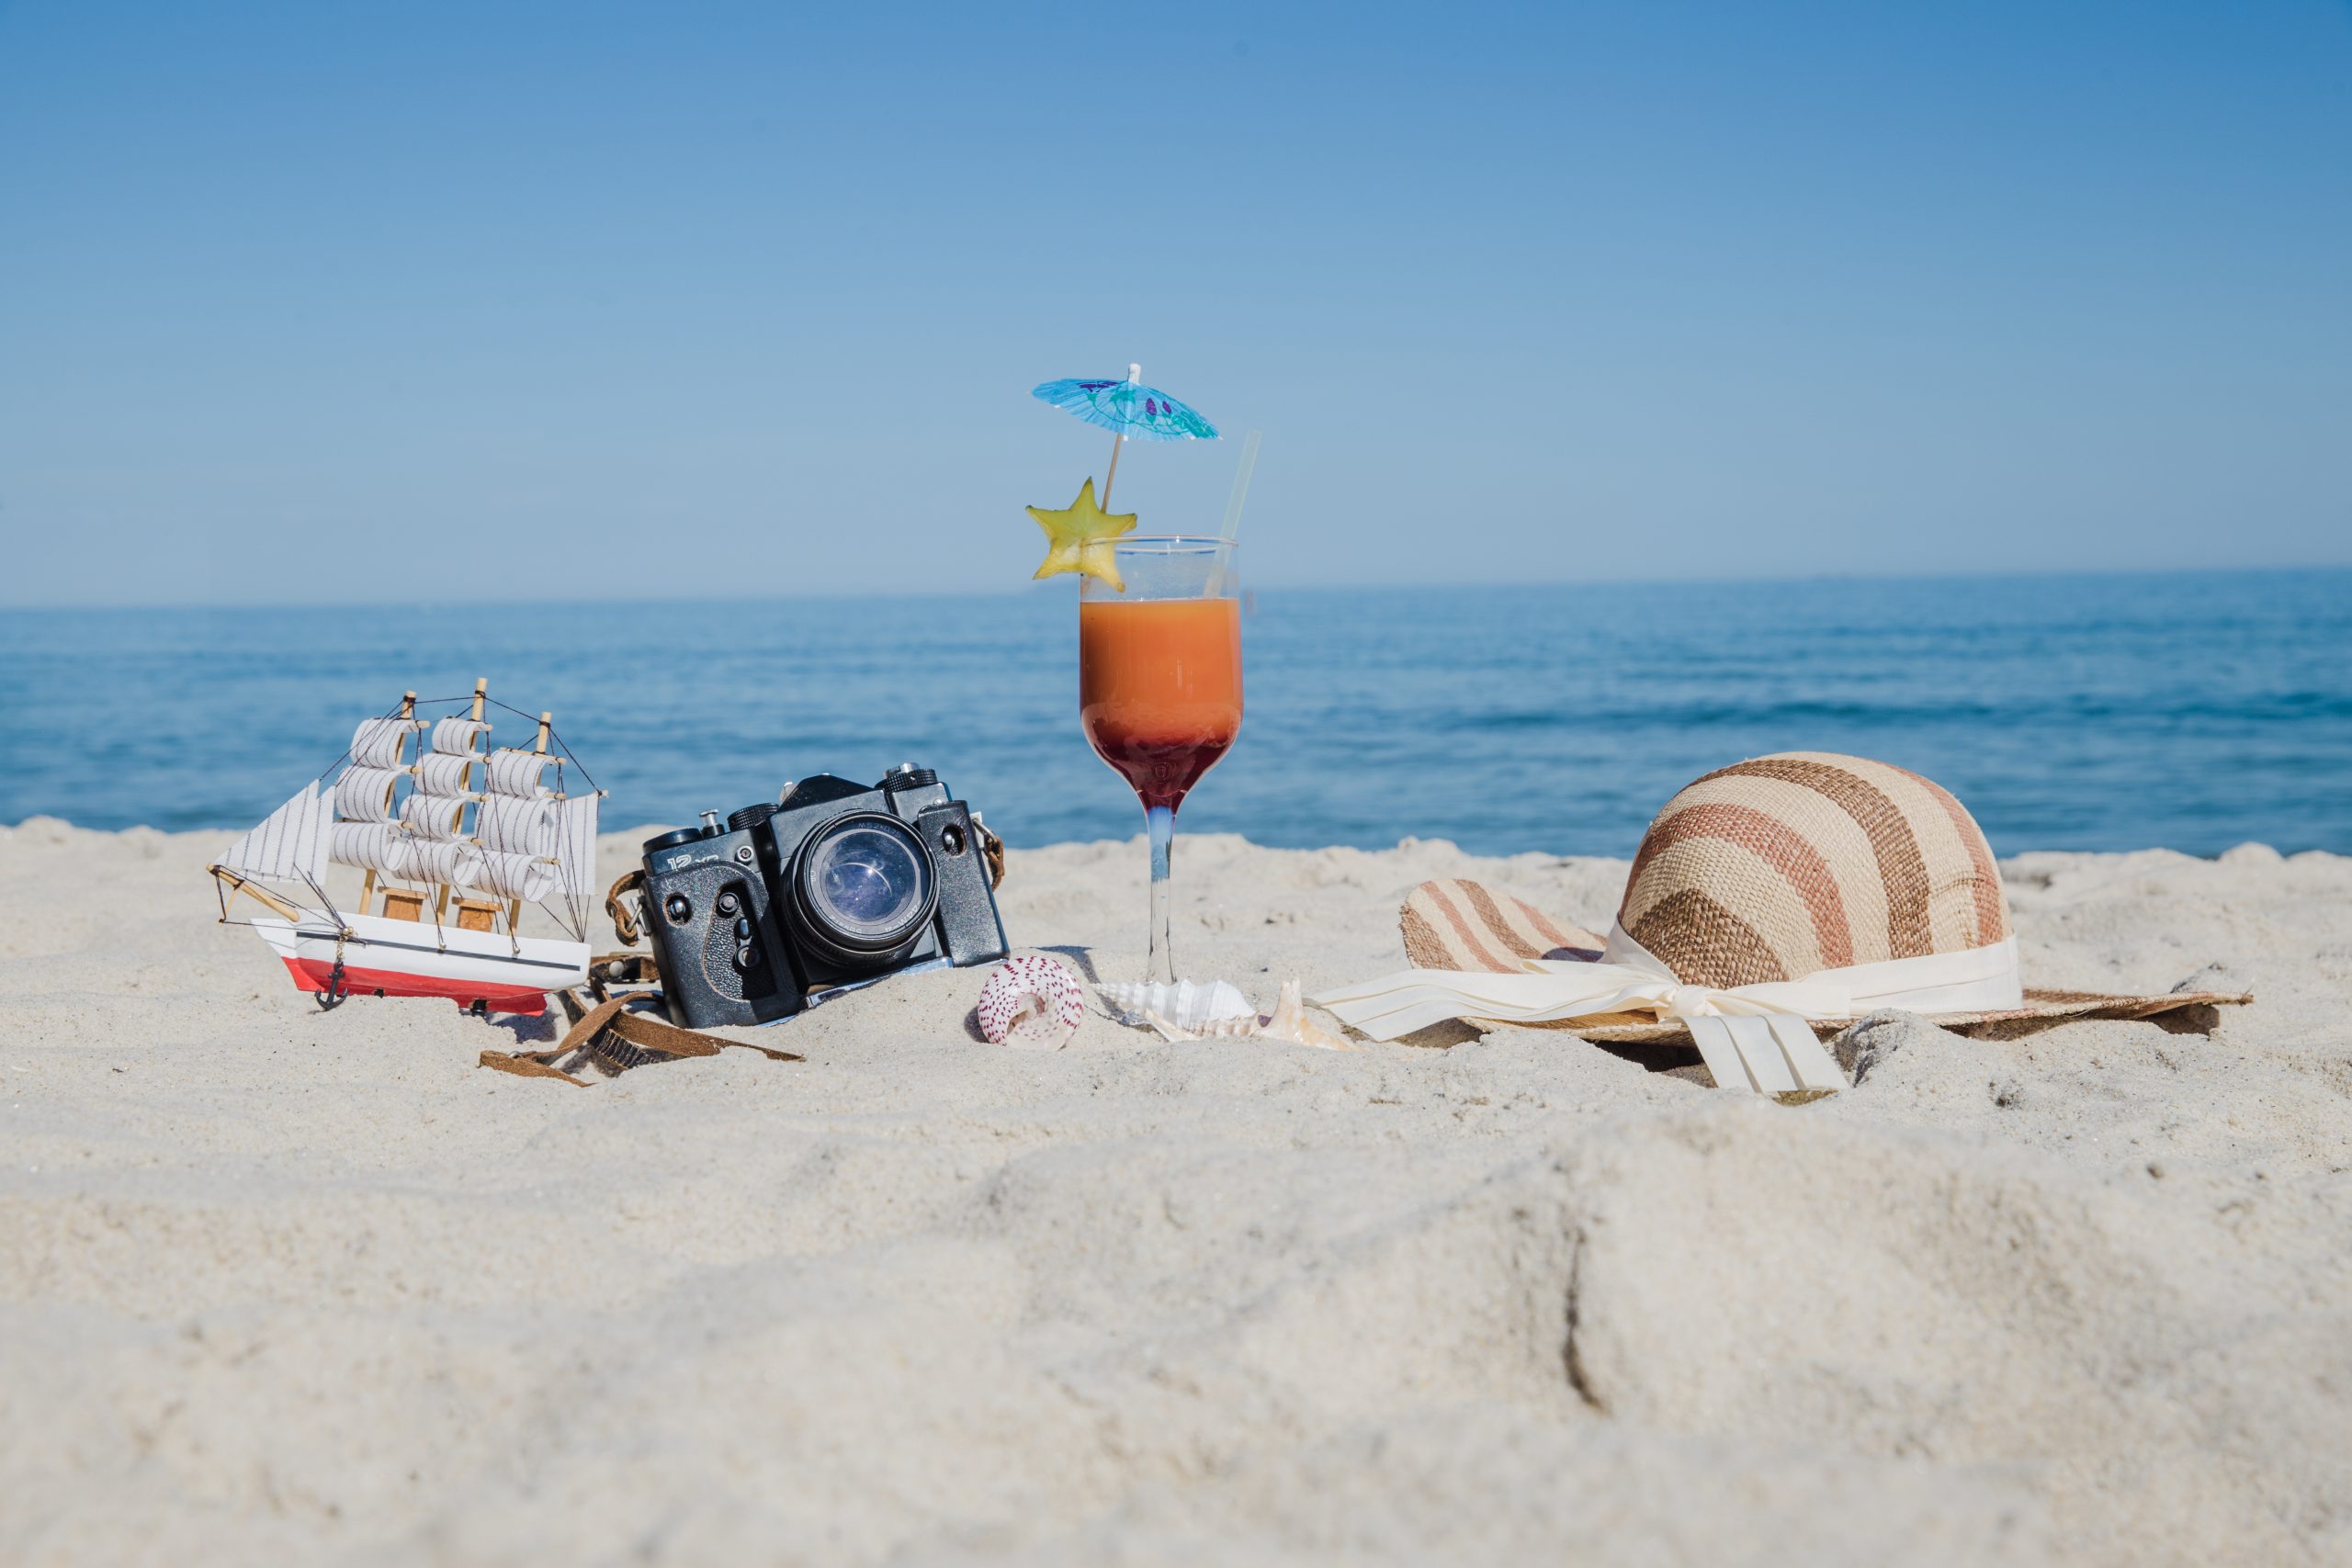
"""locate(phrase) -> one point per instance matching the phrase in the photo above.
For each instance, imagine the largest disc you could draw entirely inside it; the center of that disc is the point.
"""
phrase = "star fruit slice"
(1082, 537)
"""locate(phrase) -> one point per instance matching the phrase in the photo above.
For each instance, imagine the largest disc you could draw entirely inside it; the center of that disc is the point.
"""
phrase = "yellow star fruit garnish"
(1081, 537)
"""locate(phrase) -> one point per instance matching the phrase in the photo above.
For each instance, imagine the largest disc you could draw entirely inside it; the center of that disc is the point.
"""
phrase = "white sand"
(280, 1285)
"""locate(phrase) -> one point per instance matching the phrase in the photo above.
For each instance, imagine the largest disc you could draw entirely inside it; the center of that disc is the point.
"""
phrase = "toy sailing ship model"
(452, 839)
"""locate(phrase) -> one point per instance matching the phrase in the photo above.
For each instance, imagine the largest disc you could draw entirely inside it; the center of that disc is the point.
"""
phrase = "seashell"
(1033, 1000)
(1288, 1022)
(1214, 1029)
(1183, 1004)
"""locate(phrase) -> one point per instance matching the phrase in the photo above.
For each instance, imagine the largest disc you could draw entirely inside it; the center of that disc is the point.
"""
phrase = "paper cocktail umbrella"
(1128, 408)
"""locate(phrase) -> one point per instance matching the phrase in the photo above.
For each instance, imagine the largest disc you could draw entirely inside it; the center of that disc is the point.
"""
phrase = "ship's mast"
(408, 712)
(441, 894)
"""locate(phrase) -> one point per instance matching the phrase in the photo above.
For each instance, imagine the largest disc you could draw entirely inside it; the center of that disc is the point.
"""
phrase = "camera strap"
(625, 922)
(991, 850)
(614, 1036)
(615, 1032)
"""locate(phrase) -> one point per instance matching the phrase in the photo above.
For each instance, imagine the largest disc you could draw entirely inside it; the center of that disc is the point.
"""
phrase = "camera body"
(841, 885)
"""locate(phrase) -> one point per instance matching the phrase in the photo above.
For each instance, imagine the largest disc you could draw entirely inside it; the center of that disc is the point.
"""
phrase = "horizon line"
(853, 594)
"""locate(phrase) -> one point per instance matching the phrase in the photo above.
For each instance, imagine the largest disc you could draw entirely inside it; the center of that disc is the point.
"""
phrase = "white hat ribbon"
(1753, 1037)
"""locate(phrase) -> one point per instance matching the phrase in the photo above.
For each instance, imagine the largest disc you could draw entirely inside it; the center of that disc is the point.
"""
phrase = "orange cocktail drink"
(1159, 685)
(1159, 689)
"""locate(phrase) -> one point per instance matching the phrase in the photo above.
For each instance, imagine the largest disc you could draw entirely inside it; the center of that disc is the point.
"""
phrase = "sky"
(338, 302)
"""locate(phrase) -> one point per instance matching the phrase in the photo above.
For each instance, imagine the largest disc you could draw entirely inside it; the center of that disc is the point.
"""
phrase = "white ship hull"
(415, 958)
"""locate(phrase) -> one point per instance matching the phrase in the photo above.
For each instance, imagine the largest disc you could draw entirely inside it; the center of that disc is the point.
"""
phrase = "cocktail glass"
(1160, 683)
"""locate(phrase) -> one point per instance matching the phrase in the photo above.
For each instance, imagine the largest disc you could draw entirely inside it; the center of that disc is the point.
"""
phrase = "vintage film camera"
(838, 886)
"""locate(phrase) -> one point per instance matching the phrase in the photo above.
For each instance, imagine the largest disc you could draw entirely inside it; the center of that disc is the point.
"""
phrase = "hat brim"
(2041, 1007)
(1456, 924)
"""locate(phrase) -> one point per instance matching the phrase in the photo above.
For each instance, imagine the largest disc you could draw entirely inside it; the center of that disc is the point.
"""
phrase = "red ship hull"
(313, 976)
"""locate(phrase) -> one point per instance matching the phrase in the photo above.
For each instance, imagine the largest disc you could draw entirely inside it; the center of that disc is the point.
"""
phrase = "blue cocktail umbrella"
(1128, 408)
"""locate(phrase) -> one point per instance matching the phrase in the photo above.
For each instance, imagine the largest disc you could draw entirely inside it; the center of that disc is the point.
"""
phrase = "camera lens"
(863, 887)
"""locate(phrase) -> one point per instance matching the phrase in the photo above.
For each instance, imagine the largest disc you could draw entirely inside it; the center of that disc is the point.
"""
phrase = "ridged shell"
(1287, 1022)
(1190, 1005)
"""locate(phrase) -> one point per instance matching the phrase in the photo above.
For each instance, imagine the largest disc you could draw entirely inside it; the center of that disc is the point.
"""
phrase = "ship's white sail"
(365, 795)
(444, 773)
(510, 825)
(456, 736)
(519, 772)
(526, 877)
(575, 856)
(377, 743)
(434, 815)
(372, 846)
(452, 862)
(290, 843)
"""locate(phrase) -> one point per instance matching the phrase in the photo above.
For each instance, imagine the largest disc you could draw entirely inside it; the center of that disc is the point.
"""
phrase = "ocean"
(2194, 712)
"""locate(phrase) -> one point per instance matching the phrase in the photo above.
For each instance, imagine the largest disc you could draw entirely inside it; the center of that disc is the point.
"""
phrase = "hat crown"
(1780, 867)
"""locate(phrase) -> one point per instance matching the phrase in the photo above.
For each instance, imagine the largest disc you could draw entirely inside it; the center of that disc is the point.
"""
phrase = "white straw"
(1241, 486)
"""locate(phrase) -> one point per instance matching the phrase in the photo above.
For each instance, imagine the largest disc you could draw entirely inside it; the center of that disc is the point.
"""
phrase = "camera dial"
(863, 889)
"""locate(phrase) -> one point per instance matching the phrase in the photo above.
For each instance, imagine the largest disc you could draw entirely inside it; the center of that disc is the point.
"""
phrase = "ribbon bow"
(1752, 1037)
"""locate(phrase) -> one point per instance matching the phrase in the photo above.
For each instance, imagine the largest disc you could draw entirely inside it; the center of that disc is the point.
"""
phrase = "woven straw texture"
(1466, 925)
(1776, 868)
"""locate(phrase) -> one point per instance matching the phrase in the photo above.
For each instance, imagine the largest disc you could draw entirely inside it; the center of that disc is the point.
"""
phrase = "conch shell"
(1187, 1004)
(1287, 1022)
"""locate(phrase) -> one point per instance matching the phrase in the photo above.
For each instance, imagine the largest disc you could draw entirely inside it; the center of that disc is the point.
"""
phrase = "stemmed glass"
(1160, 683)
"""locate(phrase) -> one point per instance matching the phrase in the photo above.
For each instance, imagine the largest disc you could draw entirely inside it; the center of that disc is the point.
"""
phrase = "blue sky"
(312, 300)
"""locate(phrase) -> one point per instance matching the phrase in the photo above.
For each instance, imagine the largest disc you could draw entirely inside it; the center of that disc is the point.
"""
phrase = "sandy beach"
(284, 1285)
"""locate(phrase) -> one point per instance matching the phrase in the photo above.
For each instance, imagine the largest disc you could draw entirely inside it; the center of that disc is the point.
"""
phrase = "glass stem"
(1161, 822)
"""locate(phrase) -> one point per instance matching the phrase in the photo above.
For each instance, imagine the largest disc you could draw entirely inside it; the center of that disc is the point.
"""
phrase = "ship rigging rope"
(553, 737)
(394, 712)
(390, 713)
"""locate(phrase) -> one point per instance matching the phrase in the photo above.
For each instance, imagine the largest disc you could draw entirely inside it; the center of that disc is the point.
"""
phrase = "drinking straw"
(1241, 486)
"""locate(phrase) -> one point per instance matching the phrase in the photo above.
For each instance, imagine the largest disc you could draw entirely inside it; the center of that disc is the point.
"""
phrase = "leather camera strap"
(614, 1038)
(625, 922)
(991, 850)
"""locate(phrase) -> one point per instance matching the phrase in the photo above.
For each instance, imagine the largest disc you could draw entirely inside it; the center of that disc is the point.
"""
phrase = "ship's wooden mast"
(441, 897)
(408, 711)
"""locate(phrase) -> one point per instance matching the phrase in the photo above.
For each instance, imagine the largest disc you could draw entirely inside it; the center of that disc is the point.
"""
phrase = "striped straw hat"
(1788, 865)
(1807, 866)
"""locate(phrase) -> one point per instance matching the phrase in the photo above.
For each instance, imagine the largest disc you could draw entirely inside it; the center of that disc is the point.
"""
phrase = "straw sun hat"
(1771, 903)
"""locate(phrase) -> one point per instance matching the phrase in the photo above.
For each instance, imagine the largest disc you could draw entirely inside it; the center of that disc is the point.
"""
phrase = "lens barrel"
(863, 890)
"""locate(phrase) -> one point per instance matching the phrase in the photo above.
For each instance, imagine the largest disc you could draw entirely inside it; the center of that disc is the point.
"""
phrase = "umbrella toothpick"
(1127, 408)
(1119, 438)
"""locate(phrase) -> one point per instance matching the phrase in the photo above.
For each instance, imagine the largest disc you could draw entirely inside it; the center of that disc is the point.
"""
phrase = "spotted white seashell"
(1288, 1022)
(1032, 1000)
(1185, 1004)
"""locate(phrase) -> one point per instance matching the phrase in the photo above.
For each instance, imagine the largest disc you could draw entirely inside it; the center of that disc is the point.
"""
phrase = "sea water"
(2192, 711)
